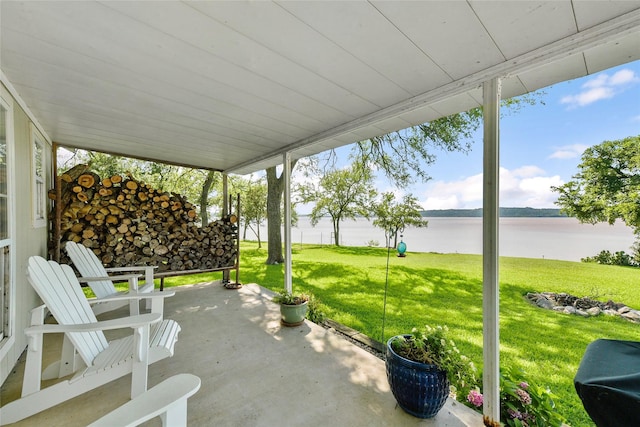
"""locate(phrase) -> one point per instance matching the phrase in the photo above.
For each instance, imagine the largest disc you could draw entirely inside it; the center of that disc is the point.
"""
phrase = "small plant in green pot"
(424, 368)
(293, 308)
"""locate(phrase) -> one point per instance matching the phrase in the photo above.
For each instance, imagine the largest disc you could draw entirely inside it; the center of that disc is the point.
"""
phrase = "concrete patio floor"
(254, 372)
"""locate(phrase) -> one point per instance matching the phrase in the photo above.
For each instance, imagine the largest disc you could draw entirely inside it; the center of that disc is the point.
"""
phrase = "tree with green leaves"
(607, 186)
(254, 207)
(394, 216)
(341, 194)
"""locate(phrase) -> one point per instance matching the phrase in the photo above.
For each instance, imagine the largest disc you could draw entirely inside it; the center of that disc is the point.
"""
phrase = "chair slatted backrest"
(89, 265)
(60, 290)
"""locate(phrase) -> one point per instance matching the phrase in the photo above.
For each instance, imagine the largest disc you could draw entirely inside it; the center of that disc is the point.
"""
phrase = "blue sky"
(541, 145)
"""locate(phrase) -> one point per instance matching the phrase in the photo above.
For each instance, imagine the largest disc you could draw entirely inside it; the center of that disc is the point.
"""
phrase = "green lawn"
(429, 288)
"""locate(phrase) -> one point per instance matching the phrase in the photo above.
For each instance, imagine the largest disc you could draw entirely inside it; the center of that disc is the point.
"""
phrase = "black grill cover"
(608, 383)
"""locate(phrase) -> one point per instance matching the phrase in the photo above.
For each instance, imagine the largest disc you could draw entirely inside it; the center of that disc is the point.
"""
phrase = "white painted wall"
(29, 240)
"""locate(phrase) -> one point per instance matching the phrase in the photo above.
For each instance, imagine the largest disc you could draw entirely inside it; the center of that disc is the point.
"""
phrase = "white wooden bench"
(167, 400)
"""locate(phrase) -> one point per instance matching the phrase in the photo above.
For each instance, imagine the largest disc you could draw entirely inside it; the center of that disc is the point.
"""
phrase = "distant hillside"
(504, 212)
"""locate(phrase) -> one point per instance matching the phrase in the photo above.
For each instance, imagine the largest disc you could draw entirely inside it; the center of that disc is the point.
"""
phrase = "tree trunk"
(275, 189)
(258, 235)
(204, 197)
(336, 231)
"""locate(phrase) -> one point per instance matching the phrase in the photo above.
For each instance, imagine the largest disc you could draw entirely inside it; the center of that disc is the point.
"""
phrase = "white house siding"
(28, 240)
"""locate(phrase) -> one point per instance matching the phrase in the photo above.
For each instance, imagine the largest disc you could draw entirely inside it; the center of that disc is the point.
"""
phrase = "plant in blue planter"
(424, 368)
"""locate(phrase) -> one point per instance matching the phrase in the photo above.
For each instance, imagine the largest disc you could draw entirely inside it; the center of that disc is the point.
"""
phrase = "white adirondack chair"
(167, 400)
(97, 277)
(98, 361)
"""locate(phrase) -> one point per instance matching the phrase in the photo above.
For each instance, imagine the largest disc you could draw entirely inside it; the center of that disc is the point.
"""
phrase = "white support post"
(490, 253)
(225, 212)
(225, 195)
(288, 286)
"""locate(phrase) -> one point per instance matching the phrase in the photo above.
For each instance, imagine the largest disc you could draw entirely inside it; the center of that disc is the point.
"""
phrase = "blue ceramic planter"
(420, 389)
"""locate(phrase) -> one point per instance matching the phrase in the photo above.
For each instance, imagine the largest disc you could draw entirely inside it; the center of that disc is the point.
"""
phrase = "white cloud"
(568, 151)
(623, 77)
(588, 97)
(602, 86)
(454, 194)
(527, 186)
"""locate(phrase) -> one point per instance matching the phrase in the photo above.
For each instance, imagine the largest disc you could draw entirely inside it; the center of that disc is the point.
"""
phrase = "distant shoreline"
(477, 213)
(504, 213)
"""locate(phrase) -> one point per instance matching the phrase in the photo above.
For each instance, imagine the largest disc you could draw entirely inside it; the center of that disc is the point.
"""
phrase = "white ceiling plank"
(520, 27)
(589, 13)
(133, 103)
(145, 80)
(420, 116)
(310, 49)
(572, 66)
(449, 32)
(391, 125)
(394, 56)
(227, 48)
(454, 104)
(616, 52)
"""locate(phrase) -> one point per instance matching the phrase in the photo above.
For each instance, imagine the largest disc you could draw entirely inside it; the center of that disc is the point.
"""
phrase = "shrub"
(522, 404)
(316, 310)
(618, 258)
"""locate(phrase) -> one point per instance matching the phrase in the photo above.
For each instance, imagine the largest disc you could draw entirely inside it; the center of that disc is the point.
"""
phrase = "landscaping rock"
(570, 309)
(594, 311)
(543, 302)
(632, 315)
(585, 306)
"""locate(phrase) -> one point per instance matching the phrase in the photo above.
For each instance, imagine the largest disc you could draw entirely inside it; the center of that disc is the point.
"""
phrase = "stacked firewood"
(125, 222)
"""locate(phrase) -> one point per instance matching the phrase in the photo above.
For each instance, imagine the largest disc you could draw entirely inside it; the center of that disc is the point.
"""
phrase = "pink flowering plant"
(522, 404)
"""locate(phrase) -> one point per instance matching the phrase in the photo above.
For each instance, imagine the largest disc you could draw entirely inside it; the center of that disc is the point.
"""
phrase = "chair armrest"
(133, 296)
(168, 398)
(131, 268)
(104, 325)
(122, 277)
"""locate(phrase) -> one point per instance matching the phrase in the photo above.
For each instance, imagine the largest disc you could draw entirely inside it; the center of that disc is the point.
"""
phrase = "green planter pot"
(293, 315)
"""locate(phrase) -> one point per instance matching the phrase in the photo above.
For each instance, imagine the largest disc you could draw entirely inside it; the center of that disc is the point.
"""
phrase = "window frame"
(39, 199)
(7, 330)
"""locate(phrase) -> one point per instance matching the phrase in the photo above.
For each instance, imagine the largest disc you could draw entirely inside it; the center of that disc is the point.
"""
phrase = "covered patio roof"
(231, 86)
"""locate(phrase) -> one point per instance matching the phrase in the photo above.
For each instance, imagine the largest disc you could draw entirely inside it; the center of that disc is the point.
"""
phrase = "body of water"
(550, 238)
